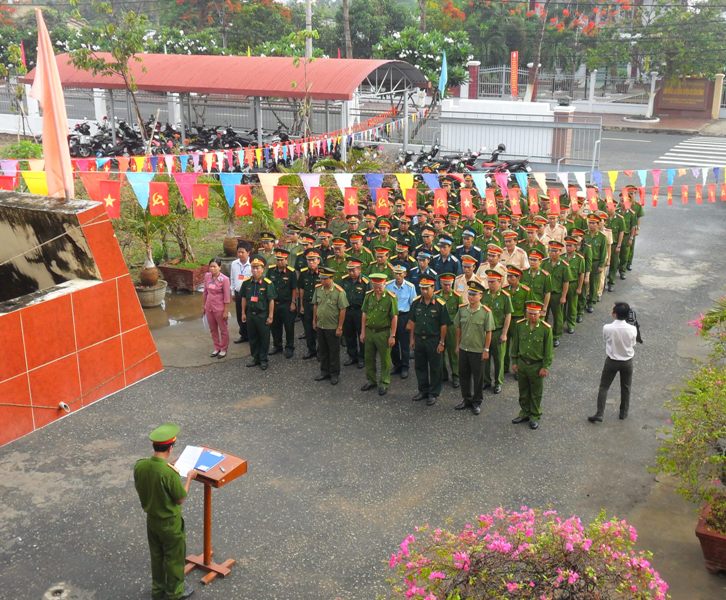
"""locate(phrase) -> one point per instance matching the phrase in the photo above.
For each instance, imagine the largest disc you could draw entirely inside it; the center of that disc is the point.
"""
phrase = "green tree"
(372, 22)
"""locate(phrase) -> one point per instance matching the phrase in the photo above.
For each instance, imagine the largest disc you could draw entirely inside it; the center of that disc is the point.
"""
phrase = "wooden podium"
(226, 471)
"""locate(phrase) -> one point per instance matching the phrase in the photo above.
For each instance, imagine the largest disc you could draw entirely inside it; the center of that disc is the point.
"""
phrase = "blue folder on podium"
(208, 460)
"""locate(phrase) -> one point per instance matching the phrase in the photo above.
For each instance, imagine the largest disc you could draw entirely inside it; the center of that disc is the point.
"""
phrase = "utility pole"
(309, 28)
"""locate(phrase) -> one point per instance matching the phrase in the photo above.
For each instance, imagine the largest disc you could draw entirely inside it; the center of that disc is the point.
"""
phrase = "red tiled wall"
(75, 348)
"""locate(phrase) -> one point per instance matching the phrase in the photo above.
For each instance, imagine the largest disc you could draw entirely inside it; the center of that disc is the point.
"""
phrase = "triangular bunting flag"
(229, 181)
(480, 181)
(9, 166)
(36, 182)
(36, 164)
(613, 178)
(522, 182)
(92, 183)
(643, 177)
(185, 182)
(140, 185)
(405, 181)
(139, 161)
(431, 180)
(541, 179)
(309, 181)
(564, 179)
(374, 180)
(580, 179)
(344, 180)
(268, 181)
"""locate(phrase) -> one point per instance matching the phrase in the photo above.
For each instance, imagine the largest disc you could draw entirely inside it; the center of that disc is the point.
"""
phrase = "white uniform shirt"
(619, 339)
(238, 272)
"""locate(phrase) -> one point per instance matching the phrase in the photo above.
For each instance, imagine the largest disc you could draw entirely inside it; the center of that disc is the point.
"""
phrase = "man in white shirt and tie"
(240, 270)
(620, 338)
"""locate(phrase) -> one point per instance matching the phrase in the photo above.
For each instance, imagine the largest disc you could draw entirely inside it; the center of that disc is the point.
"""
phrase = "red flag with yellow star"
(441, 202)
(411, 197)
(514, 201)
(684, 194)
(711, 191)
(200, 200)
(383, 209)
(279, 202)
(317, 202)
(609, 198)
(533, 201)
(654, 195)
(699, 193)
(592, 199)
(111, 197)
(554, 201)
(490, 202)
(350, 201)
(467, 204)
(242, 200)
(158, 198)
(627, 201)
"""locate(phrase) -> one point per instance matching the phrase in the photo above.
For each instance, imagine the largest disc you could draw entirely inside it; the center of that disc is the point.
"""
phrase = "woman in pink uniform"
(216, 307)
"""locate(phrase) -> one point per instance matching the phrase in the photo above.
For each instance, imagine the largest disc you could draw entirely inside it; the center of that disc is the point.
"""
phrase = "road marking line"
(628, 140)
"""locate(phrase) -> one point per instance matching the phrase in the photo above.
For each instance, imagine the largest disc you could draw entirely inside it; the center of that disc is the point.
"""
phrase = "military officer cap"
(475, 287)
(311, 253)
(355, 237)
(570, 240)
(399, 202)
(454, 213)
(281, 253)
(381, 250)
(489, 222)
(378, 277)
(294, 228)
(504, 217)
(352, 219)
(439, 218)
(468, 260)
(402, 246)
(445, 239)
(266, 236)
(307, 238)
(512, 270)
(553, 213)
(531, 227)
(536, 254)
(509, 234)
(493, 275)
(165, 434)
(339, 242)
(384, 223)
(540, 220)
(429, 207)
(369, 215)
(325, 232)
(576, 231)
(399, 269)
(423, 255)
(422, 211)
(353, 263)
(258, 261)
(321, 221)
(427, 229)
(556, 245)
(593, 217)
(544, 197)
(426, 282)
(326, 272)
(404, 219)
(447, 277)
(602, 214)
(534, 306)
(468, 233)
(494, 249)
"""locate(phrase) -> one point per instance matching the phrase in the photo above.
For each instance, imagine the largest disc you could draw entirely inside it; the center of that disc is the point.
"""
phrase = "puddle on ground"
(177, 307)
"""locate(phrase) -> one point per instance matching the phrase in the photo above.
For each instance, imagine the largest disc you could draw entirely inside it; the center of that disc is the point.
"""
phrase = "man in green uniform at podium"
(161, 494)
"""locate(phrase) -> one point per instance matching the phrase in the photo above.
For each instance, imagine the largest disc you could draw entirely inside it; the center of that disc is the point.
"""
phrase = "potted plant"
(528, 553)
(695, 448)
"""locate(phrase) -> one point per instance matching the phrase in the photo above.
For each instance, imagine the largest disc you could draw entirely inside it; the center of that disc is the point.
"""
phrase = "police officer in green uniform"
(356, 286)
(597, 242)
(518, 294)
(531, 360)
(560, 277)
(637, 208)
(576, 261)
(358, 250)
(451, 353)
(428, 323)
(329, 307)
(616, 223)
(258, 311)
(306, 282)
(379, 322)
(299, 262)
(161, 494)
(498, 301)
(629, 219)
(266, 251)
(586, 253)
(384, 239)
(293, 244)
(284, 279)
(338, 261)
(381, 264)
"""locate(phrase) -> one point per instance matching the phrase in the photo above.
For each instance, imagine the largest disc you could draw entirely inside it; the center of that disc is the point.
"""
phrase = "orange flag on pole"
(48, 91)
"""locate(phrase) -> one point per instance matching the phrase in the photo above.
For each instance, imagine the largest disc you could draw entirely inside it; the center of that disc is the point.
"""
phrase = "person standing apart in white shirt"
(240, 270)
(620, 338)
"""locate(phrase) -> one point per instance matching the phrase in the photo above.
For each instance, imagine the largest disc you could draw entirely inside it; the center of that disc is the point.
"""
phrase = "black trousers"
(310, 335)
(351, 333)
(401, 351)
(283, 318)
(609, 370)
(238, 310)
(328, 352)
(471, 377)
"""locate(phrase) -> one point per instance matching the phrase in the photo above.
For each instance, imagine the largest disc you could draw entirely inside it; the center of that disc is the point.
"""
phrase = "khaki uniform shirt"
(481, 273)
(518, 258)
(329, 303)
(461, 284)
(557, 233)
(474, 325)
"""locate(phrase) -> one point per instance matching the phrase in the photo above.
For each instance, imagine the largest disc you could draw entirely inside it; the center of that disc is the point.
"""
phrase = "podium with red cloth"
(226, 471)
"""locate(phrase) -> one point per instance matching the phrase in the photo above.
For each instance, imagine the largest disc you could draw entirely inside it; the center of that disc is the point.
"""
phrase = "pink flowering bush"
(528, 553)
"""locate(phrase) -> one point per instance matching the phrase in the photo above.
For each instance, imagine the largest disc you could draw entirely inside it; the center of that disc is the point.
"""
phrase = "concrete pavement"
(667, 124)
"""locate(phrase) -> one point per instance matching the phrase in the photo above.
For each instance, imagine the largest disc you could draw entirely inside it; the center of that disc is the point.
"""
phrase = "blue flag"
(228, 181)
(444, 76)
(374, 180)
(431, 180)
(522, 181)
(140, 185)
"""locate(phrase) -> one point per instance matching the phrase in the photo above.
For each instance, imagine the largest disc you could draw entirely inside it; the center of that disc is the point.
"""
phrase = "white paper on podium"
(187, 459)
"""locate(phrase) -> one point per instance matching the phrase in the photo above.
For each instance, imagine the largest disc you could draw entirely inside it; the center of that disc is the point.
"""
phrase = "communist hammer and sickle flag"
(158, 198)
(242, 200)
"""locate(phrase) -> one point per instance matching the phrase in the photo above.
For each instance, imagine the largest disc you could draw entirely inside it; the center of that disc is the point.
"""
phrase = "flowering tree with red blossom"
(526, 554)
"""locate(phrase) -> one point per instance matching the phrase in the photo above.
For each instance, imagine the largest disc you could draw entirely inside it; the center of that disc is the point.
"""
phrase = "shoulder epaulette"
(289, 268)
(526, 288)
(369, 292)
(486, 307)
(545, 272)
(456, 293)
(300, 253)
(317, 285)
(391, 294)
(267, 280)
(578, 254)
(522, 321)
(172, 467)
(566, 263)
(345, 276)
(440, 301)
(505, 292)
(546, 324)
(463, 305)
(337, 287)
(304, 269)
(363, 278)
(416, 298)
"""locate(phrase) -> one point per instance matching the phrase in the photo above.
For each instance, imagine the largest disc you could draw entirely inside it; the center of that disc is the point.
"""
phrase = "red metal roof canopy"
(279, 77)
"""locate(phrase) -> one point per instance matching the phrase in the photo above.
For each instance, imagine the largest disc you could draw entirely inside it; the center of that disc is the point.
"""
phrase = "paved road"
(338, 477)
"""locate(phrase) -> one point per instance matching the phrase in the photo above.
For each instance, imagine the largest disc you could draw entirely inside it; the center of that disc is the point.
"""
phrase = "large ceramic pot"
(230, 246)
(149, 276)
(713, 544)
(151, 296)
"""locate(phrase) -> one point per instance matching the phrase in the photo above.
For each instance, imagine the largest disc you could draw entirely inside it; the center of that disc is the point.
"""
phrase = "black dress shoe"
(321, 377)
(240, 340)
(534, 424)
(629, 267)
(570, 330)
(333, 380)
(622, 416)
(396, 371)
(431, 400)
(475, 410)
(264, 365)
(622, 276)
(455, 382)
(556, 343)
(589, 309)
(418, 397)
(579, 319)
(361, 363)
(520, 419)
(289, 352)
(610, 287)
(595, 419)
(382, 390)
(188, 591)
(253, 363)
(487, 386)
(275, 350)
(461, 406)
(309, 355)
(367, 386)
(497, 389)
(349, 361)
(301, 337)
(404, 373)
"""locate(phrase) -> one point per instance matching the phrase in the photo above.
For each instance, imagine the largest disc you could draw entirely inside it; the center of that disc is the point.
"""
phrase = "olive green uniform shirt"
(500, 304)
(474, 325)
(258, 294)
(452, 300)
(559, 274)
(339, 265)
(159, 487)
(534, 344)
(285, 282)
(577, 266)
(380, 313)
(598, 247)
(428, 318)
(539, 284)
(306, 281)
(329, 304)
(518, 298)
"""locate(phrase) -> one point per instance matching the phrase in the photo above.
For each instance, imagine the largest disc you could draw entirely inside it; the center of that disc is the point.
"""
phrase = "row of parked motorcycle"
(97, 140)
(430, 161)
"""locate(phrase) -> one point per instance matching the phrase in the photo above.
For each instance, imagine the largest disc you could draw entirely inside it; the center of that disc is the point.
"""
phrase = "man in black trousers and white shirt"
(620, 338)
